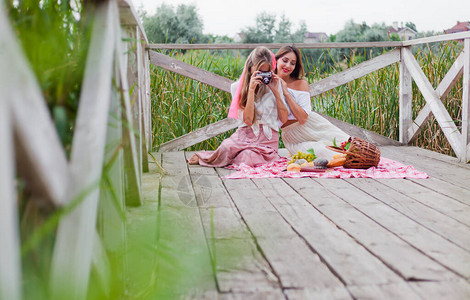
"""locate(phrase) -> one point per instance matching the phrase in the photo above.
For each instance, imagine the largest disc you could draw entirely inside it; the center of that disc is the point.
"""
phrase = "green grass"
(181, 105)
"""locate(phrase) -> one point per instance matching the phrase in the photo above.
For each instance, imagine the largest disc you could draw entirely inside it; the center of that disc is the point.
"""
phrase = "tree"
(354, 32)
(167, 25)
(269, 30)
(411, 25)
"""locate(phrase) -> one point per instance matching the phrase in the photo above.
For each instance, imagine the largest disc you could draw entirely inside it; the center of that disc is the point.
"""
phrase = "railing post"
(405, 101)
(10, 265)
(465, 103)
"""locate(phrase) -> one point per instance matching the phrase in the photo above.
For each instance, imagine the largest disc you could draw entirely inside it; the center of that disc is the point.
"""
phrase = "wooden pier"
(305, 238)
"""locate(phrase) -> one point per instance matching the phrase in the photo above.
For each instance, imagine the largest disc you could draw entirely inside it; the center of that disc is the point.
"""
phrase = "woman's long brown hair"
(258, 57)
(298, 72)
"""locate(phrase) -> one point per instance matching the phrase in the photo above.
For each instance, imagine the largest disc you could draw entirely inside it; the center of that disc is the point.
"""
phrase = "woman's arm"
(249, 111)
(299, 113)
(282, 112)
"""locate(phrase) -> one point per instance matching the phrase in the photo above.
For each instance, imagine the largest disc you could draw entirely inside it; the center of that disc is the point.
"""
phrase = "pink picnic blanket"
(387, 168)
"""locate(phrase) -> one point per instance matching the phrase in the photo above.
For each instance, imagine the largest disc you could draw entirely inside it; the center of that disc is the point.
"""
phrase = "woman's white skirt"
(316, 134)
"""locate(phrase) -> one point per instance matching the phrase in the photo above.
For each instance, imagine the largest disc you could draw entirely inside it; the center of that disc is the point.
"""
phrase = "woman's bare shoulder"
(300, 85)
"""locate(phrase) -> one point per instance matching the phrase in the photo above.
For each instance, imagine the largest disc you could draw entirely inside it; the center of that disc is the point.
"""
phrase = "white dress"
(265, 113)
(316, 133)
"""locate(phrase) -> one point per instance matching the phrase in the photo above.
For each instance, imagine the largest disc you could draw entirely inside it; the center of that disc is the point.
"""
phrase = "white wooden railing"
(28, 136)
(409, 70)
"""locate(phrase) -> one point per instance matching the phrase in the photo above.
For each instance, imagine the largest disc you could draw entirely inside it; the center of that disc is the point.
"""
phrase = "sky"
(329, 16)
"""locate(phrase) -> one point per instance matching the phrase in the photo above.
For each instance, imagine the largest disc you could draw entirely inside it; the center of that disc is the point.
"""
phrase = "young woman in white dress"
(304, 128)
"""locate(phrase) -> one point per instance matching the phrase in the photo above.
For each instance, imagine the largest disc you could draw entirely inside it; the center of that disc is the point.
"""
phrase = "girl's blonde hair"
(258, 57)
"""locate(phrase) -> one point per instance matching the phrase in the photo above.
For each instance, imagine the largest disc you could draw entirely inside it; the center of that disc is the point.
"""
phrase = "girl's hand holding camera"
(255, 80)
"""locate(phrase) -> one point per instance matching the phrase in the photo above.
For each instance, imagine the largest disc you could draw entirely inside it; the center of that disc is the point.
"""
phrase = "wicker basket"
(360, 155)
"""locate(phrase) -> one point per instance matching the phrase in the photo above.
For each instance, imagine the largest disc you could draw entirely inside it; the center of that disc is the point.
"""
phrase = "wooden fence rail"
(112, 133)
(409, 70)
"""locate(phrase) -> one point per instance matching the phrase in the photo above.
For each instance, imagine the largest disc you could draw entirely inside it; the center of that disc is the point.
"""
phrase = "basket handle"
(336, 149)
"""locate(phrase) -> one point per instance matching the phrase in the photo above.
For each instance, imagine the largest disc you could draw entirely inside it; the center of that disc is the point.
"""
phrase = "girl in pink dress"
(259, 107)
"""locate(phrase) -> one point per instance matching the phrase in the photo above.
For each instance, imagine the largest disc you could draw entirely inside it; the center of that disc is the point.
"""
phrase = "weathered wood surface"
(449, 80)
(355, 72)
(405, 102)
(240, 266)
(437, 107)
(330, 238)
(131, 156)
(178, 204)
(438, 38)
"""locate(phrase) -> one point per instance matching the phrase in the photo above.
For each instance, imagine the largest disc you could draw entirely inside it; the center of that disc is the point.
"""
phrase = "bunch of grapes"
(302, 155)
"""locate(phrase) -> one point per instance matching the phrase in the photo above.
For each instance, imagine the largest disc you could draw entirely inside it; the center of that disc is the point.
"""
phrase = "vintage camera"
(265, 77)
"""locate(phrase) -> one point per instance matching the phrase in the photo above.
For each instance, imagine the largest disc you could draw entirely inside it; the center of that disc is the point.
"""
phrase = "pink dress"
(251, 145)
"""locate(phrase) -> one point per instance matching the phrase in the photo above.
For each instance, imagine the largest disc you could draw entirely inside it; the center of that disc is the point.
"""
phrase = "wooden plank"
(353, 263)
(71, 261)
(149, 101)
(241, 268)
(10, 262)
(429, 154)
(183, 228)
(199, 135)
(143, 105)
(325, 294)
(147, 114)
(458, 289)
(405, 102)
(41, 159)
(458, 176)
(179, 67)
(131, 165)
(133, 84)
(438, 38)
(295, 264)
(355, 72)
(449, 80)
(278, 45)
(445, 188)
(437, 107)
(426, 242)
(141, 252)
(430, 198)
(330, 197)
(465, 151)
(401, 290)
(448, 228)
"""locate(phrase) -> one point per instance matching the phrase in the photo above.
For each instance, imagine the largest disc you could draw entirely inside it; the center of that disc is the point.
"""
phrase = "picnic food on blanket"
(336, 162)
(320, 163)
(360, 154)
(301, 157)
(293, 167)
